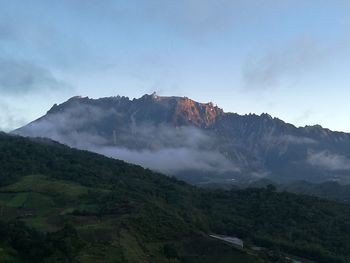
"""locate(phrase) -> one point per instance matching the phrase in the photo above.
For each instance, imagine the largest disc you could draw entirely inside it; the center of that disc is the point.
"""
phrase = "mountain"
(59, 204)
(197, 142)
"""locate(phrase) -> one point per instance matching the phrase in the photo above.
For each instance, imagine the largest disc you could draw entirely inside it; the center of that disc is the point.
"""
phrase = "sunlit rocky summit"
(197, 142)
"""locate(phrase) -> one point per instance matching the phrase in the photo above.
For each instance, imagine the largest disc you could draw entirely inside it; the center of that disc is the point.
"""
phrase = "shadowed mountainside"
(198, 142)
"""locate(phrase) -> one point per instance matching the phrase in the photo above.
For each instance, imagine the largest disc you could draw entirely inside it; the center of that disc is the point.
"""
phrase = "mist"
(164, 148)
(328, 160)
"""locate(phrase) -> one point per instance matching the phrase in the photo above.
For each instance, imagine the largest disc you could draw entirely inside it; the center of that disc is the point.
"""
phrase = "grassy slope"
(47, 204)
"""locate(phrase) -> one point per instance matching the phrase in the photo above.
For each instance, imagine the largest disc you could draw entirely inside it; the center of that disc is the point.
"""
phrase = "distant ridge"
(198, 142)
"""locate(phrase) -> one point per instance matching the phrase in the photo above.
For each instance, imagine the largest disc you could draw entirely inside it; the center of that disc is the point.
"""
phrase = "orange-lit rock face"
(190, 112)
(178, 111)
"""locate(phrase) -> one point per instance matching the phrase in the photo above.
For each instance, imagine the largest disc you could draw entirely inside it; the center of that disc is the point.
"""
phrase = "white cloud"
(327, 160)
(160, 147)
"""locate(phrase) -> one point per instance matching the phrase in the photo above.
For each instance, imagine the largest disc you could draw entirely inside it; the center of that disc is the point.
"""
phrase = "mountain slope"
(89, 203)
(197, 142)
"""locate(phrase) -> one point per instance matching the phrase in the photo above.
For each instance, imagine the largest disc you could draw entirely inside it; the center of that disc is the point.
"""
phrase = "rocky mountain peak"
(178, 111)
(149, 128)
(199, 114)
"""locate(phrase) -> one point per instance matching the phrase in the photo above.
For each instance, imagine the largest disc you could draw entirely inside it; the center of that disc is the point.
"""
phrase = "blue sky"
(290, 59)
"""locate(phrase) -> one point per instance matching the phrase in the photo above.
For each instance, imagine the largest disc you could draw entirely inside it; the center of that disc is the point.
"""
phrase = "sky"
(288, 58)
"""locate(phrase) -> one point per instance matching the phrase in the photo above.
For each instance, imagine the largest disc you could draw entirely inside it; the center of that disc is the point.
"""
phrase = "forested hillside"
(59, 204)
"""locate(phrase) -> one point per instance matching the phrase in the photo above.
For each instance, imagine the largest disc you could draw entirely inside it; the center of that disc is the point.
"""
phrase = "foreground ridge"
(86, 203)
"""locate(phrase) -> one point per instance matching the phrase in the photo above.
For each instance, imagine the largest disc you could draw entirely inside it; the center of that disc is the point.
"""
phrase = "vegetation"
(59, 204)
(331, 190)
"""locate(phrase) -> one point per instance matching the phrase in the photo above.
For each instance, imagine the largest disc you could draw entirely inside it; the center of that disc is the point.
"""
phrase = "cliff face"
(178, 111)
(199, 114)
(187, 138)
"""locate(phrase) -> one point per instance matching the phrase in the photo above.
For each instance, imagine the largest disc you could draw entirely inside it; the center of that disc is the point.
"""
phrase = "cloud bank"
(159, 147)
(328, 160)
(9, 118)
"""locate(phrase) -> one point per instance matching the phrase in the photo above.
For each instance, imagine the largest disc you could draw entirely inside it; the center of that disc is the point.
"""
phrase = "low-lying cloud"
(328, 160)
(171, 160)
(160, 147)
(296, 139)
(9, 117)
(288, 139)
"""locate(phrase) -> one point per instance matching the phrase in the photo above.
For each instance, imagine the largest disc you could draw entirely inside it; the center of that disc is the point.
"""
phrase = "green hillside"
(59, 204)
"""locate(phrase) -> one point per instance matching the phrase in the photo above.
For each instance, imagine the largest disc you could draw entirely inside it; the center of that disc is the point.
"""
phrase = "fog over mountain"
(197, 142)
